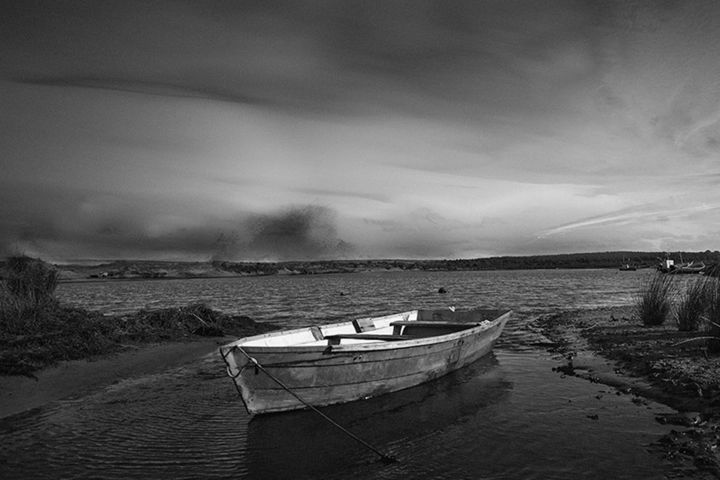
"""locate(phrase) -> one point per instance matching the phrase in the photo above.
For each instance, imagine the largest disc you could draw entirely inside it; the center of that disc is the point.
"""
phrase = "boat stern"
(234, 371)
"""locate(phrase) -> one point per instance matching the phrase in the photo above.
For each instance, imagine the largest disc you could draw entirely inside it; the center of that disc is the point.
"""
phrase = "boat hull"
(325, 375)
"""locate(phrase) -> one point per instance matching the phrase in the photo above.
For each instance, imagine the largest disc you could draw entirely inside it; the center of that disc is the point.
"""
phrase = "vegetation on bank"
(658, 362)
(678, 365)
(692, 306)
(697, 306)
(37, 331)
(712, 313)
(655, 303)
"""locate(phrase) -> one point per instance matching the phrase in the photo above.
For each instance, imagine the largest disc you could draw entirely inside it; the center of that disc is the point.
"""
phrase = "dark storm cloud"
(78, 222)
(296, 233)
(311, 55)
(166, 47)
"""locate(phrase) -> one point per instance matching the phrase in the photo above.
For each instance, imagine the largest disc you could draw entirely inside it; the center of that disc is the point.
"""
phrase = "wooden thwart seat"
(397, 328)
(432, 325)
(335, 339)
(422, 323)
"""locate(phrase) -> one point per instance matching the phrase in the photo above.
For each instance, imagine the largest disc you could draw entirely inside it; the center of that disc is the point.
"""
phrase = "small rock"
(565, 369)
(681, 419)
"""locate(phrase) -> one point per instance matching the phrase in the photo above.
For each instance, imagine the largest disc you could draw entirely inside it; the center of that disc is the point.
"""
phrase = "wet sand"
(74, 379)
(608, 346)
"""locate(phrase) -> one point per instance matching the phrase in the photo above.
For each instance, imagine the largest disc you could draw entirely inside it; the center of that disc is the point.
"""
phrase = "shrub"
(654, 303)
(30, 279)
(26, 293)
(692, 306)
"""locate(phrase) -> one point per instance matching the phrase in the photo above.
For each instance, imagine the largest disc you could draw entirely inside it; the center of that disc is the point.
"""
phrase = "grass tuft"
(693, 303)
(713, 314)
(30, 279)
(654, 303)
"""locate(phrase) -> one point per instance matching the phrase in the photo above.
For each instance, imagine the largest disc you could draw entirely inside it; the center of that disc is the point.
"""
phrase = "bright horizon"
(360, 130)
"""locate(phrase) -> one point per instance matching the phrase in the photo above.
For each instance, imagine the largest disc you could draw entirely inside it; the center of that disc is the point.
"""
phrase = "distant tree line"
(160, 269)
(572, 260)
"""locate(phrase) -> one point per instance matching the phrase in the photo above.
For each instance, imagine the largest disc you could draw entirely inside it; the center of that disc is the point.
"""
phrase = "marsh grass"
(37, 331)
(27, 289)
(712, 314)
(698, 308)
(30, 279)
(655, 301)
(692, 306)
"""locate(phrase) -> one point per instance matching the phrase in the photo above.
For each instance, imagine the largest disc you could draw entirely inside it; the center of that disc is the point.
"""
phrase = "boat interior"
(398, 327)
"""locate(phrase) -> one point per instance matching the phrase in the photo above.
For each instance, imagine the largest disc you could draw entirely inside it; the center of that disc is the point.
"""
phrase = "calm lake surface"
(507, 416)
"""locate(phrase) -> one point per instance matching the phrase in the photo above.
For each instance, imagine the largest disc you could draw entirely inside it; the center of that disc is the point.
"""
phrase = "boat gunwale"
(354, 347)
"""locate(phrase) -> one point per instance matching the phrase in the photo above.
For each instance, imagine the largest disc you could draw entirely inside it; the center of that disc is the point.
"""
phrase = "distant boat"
(359, 359)
(666, 265)
(691, 267)
(626, 267)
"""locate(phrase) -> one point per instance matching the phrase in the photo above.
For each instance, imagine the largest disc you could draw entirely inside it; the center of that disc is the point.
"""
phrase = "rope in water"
(383, 457)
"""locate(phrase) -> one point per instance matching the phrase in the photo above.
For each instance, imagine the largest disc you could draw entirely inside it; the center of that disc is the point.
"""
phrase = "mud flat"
(76, 378)
(660, 363)
(65, 352)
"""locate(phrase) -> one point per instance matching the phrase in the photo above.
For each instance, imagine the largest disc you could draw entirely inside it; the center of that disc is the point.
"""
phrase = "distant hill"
(126, 269)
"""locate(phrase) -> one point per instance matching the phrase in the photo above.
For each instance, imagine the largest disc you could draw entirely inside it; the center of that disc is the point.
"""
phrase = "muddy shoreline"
(660, 363)
(76, 378)
(602, 346)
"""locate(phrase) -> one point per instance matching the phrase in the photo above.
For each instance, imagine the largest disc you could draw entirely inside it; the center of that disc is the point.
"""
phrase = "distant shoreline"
(300, 274)
(149, 269)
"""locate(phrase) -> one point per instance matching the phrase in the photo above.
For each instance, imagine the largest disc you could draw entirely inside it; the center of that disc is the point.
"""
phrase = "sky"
(292, 130)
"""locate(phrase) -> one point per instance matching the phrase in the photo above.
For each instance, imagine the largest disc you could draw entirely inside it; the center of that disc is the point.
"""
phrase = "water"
(295, 300)
(506, 416)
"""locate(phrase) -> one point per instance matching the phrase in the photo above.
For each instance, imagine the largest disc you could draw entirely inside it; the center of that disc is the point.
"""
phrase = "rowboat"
(359, 359)
(691, 267)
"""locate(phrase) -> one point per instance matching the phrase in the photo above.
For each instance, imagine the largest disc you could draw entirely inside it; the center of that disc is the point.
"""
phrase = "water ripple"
(298, 300)
(507, 416)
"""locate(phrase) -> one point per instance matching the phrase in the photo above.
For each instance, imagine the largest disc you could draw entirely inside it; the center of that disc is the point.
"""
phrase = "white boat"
(359, 359)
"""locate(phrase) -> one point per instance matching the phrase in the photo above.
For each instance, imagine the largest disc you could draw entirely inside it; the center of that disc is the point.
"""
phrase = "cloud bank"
(279, 130)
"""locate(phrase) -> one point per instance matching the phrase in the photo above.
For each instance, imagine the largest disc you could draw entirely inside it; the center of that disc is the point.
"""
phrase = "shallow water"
(506, 416)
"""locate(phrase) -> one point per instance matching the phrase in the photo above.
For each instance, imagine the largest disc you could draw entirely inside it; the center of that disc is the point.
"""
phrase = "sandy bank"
(77, 378)
(608, 346)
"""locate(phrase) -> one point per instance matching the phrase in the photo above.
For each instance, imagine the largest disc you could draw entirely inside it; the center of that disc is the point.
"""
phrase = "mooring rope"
(383, 457)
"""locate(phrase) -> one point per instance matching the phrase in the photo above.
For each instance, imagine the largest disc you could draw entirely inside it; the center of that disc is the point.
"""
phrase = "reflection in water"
(302, 445)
